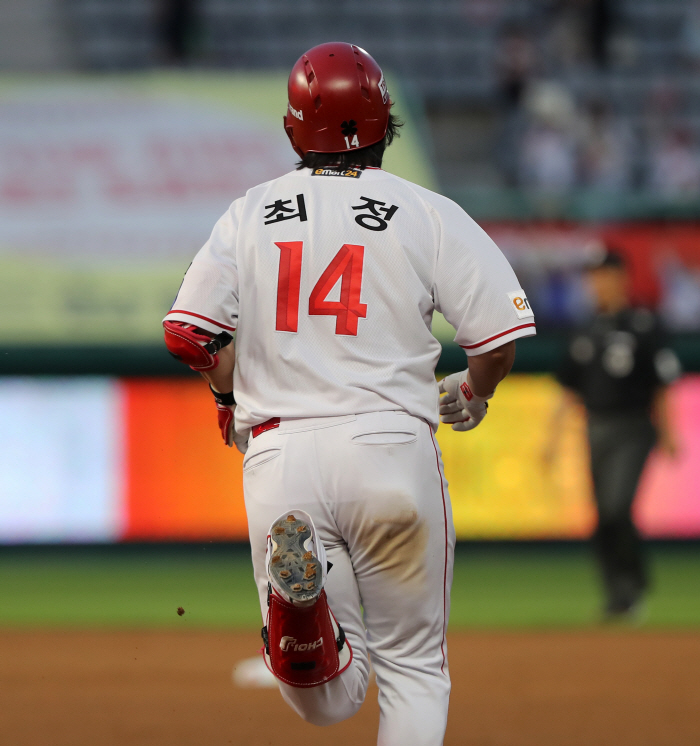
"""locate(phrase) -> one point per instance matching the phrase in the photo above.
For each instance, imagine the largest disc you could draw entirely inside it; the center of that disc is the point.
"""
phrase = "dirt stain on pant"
(395, 541)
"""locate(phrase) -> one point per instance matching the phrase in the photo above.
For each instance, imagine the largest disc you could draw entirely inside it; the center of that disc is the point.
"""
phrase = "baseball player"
(330, 275)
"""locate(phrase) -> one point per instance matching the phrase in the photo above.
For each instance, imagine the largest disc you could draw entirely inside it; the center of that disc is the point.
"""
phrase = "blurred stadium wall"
(126, 129)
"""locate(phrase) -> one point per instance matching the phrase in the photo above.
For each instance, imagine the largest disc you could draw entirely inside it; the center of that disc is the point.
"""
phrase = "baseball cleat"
(296, 559)
(304, 646)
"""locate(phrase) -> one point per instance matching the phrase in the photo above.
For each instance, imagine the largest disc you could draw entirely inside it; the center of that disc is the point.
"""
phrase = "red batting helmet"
(338, 100)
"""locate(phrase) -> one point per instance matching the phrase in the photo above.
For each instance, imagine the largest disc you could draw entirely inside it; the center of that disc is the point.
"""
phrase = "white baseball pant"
(374, 486)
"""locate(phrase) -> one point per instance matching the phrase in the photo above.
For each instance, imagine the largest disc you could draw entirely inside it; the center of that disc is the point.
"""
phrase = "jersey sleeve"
(475, 286)
(208, 296)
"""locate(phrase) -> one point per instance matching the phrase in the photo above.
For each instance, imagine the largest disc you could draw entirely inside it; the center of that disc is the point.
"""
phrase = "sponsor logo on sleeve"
(521, 305)
(348, 173)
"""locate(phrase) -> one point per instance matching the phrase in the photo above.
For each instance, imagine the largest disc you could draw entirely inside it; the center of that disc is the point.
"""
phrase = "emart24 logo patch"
(521, 305)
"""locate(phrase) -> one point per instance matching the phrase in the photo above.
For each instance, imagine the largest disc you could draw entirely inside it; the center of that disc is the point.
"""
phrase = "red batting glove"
(226, 407)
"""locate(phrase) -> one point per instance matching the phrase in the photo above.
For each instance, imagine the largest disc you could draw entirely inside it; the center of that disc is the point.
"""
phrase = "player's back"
(335, 296)
(331, 279)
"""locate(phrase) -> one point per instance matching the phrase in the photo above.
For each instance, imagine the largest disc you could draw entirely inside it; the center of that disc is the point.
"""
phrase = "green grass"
(557, 585)
(128, 586)
(495, 586)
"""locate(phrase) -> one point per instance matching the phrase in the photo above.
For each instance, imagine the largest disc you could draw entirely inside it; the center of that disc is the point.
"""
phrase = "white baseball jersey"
(331, 279)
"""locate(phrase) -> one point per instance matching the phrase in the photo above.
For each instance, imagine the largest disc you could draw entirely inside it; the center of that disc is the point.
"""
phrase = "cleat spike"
(285, 573)
(278, 530)
(307, 556)
(291, 519)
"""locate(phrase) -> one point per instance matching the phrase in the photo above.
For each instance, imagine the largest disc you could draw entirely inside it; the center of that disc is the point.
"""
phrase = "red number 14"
(347, 264)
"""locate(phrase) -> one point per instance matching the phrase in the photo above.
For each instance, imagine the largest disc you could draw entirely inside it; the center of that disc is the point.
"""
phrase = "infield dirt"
(509, 689)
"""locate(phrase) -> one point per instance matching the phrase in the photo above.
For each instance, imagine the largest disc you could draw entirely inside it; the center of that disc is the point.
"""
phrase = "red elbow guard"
(194, 346)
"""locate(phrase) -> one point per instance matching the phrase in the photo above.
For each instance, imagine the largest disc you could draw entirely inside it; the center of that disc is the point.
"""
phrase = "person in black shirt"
(618, 368)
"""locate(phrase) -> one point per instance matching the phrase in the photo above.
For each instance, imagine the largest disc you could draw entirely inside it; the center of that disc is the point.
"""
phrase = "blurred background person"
(618, 369)
(680, 304)
(674, 163)
(579, 31)
(548, 149)
(606, 149)
(177, 28)
(690, 37)
(516, 62)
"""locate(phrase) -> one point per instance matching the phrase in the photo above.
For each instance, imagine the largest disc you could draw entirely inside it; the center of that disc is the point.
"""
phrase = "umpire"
(619, 369)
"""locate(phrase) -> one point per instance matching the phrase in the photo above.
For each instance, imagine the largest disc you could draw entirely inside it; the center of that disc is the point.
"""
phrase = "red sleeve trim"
(205, 318)
(496, 336)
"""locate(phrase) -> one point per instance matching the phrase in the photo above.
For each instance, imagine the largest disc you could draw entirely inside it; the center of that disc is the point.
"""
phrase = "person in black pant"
(618, 368)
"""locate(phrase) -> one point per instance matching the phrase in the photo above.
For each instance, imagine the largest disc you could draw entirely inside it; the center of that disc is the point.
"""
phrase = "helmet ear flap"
(289, 129)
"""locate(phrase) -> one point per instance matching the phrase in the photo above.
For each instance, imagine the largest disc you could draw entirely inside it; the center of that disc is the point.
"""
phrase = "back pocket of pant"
(260, 458)
(385, 438)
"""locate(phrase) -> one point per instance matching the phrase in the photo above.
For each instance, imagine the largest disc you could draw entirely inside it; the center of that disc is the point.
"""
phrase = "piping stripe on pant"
(444, 580)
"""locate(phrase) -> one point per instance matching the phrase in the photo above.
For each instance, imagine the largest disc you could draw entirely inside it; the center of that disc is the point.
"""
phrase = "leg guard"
(304, 645)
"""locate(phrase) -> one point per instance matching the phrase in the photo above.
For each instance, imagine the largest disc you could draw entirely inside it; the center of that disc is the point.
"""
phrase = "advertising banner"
(142, 460)
(109, 185)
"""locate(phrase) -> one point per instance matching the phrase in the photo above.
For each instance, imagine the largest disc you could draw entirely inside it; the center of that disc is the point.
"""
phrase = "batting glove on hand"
(226, 408)
(460, 406)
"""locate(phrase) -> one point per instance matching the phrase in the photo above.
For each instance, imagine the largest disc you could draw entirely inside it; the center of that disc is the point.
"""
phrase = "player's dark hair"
(361, 158)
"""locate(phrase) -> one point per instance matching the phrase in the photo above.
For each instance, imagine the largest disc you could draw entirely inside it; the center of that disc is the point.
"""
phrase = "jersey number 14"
(347, 264)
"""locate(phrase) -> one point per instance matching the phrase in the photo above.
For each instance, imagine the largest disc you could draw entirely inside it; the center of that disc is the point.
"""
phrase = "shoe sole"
(292, 567)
